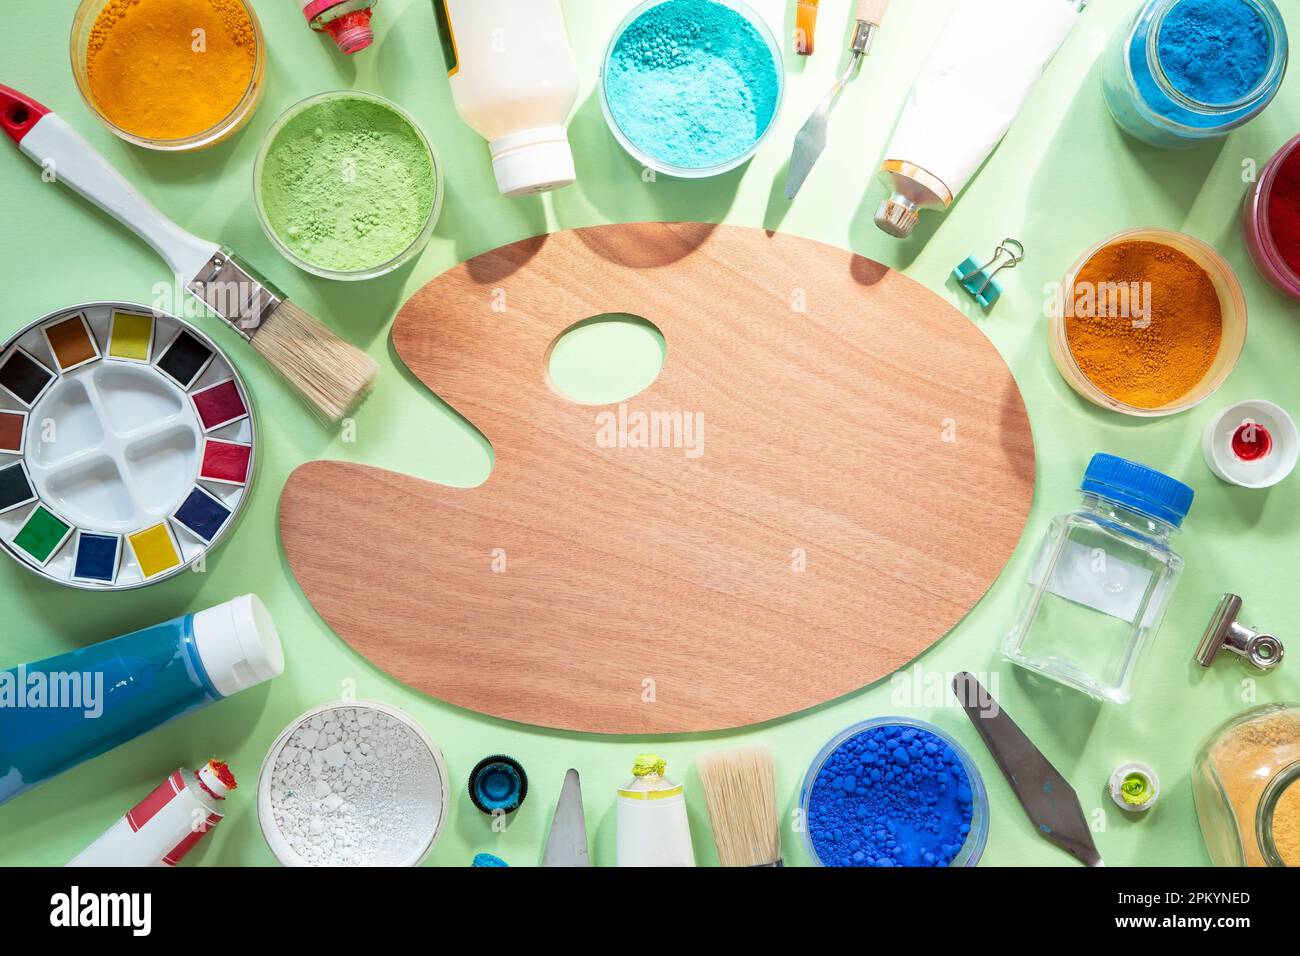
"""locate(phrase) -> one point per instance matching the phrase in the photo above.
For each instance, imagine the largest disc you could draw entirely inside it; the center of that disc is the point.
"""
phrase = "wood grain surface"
(865, 472)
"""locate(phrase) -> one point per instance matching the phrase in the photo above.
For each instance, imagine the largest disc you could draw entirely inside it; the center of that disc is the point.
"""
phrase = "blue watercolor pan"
(202, 514)
(99, 556)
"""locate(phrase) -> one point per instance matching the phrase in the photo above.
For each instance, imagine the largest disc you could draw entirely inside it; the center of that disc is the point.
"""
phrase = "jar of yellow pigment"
(169, 74)
(1246, 783)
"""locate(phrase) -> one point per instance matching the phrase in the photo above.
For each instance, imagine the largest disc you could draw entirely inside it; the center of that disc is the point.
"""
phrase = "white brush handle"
(872, 11)
(62, 152)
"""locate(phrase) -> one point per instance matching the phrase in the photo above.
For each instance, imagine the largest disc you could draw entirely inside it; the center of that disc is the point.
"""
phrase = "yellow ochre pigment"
(170, 69)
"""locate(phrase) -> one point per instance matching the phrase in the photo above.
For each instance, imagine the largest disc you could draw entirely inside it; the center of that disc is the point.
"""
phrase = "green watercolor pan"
(127, 446)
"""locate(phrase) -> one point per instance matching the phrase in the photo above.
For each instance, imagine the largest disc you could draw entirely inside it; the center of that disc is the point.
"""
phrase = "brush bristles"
(805, 27)
(740, 787)
(332, 375)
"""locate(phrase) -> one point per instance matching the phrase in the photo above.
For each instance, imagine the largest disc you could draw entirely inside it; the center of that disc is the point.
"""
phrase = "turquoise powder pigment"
(348, 184)
(692, 84)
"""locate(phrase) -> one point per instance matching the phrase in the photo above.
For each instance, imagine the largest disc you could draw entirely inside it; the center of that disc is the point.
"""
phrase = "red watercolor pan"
(226, 462)
(220, 404)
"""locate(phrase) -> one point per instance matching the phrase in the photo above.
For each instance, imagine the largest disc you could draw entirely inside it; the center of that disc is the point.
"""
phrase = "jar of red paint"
(1272, 220)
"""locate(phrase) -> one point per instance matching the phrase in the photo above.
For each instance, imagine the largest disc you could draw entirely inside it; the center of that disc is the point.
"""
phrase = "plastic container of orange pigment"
(206, 66)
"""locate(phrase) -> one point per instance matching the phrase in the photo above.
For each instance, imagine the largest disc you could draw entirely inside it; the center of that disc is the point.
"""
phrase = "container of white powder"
(352, 784)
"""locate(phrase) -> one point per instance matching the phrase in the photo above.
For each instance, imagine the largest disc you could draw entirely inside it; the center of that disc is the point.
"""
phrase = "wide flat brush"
(740, 788)
(331, 375)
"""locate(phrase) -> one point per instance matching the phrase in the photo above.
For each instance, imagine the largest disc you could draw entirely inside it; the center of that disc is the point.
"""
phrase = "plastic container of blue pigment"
(690, 88)
(894, 792)
(1185, 71)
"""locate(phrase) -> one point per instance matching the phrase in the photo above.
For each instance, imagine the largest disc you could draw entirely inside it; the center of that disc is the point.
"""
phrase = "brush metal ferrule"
(236, 293)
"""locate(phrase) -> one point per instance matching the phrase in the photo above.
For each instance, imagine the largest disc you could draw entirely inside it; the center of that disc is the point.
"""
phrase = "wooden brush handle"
(872, 11)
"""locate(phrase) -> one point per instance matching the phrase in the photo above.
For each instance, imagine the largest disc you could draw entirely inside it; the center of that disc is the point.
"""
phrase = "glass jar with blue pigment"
(1102, 581)
(1185, 71)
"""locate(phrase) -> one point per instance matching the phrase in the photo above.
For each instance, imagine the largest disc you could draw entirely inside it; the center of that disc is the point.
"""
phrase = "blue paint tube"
(63, 710)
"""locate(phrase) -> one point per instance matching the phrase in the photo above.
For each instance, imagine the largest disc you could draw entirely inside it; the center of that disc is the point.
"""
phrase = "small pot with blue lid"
(498, 784)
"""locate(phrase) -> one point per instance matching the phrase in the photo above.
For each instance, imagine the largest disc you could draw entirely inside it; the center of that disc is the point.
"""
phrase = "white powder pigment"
(356, 787)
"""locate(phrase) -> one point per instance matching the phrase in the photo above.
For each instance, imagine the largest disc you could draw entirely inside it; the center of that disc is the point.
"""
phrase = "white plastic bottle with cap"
(166, 824)
(514, 80)
(155, 675)
(653, 829)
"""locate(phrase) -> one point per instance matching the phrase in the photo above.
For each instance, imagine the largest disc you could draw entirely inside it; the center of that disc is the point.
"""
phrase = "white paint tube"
(978, 76)
(166, 824)
(653, 829)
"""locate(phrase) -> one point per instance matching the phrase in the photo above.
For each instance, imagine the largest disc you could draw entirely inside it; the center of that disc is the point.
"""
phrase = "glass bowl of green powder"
(691, 88)
(348, 186)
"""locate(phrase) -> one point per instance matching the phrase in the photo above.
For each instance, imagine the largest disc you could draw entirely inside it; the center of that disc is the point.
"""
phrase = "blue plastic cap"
(1138, 487)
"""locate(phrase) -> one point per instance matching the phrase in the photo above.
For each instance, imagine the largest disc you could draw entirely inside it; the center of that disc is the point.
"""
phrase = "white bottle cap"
(1143, 788)
(533, 161)
(1274, 433)
(238, 644)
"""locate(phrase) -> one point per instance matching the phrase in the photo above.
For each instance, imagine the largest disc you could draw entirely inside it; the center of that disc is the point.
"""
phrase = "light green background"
(1063, 179)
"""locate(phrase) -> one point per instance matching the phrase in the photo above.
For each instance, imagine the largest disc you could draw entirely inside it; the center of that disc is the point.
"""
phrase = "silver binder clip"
(1264, 651)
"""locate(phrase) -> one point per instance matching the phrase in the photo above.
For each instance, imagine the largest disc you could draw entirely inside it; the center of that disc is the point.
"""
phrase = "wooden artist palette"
(866, 471)
(126, 446)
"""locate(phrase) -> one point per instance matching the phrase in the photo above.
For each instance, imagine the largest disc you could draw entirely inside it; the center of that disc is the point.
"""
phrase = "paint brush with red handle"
(330, 374)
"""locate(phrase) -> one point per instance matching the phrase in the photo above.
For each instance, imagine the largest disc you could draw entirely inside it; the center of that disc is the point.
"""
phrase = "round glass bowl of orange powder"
(1148, 323)
(169, 74)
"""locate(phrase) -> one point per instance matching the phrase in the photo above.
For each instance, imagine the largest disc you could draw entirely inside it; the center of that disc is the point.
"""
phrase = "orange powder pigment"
(1146, 324)
(170, 69)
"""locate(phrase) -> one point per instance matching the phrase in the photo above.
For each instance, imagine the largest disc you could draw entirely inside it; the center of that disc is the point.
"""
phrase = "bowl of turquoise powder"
(347, 185)
(894, 792)
(691, 88)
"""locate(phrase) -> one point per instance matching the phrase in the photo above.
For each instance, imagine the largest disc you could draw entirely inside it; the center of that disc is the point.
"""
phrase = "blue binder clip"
(981, 280)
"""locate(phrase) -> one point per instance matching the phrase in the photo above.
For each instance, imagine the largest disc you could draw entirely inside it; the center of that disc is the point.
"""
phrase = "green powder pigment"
(348, 184)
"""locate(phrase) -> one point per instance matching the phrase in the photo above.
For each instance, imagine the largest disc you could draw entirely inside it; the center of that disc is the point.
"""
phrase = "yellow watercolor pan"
(155, 550)
(131, 337)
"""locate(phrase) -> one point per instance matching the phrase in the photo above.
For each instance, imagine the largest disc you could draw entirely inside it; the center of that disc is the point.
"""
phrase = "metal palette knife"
(567, 844)
(811, 141)
(1048, 799)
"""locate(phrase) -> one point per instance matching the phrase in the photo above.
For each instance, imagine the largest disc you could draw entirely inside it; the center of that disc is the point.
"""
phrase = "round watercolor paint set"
(126, 446)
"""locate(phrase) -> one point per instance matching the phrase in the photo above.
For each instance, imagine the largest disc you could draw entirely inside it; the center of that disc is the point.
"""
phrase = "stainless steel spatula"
(810, 142)
(1047, 797)
(567, 844)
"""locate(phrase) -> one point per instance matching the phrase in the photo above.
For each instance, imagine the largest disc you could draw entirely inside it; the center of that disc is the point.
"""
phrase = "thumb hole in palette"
(606, 359)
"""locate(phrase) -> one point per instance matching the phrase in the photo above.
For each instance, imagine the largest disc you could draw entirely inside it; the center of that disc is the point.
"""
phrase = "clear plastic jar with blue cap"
(1185, 71)
(1102, 580)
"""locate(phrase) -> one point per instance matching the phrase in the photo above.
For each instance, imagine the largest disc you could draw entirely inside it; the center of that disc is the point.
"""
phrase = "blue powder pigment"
(1214, 51)
(891, 795)
(692, 83)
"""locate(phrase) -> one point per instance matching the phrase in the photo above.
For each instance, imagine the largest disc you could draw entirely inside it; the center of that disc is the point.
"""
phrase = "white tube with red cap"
(165, 825)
